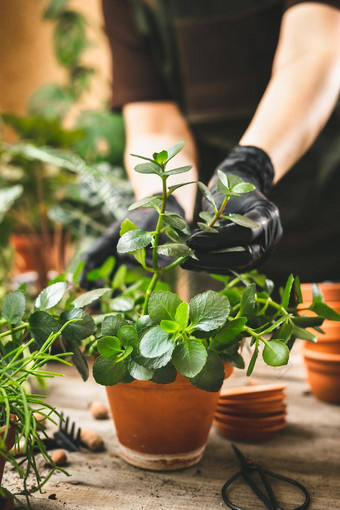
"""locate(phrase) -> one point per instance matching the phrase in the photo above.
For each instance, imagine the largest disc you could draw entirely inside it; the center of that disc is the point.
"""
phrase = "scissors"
(248, 466)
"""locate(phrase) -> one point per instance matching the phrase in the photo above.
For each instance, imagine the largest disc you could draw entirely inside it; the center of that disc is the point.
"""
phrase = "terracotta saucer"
(262, 434)
(257, 403)
(252, 392)
(244, 422)
(252, 412)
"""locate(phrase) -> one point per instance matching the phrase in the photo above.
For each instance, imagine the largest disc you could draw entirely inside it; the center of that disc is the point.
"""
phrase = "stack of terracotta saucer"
(251, 413)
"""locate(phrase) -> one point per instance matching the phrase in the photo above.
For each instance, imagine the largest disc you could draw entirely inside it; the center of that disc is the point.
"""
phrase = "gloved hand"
(106, 245)
(252, 165)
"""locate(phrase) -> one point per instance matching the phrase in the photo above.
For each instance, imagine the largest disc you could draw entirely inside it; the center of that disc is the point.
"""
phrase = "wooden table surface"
(308, 449)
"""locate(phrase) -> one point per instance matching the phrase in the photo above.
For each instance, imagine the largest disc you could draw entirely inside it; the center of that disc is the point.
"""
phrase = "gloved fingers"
(221, 263)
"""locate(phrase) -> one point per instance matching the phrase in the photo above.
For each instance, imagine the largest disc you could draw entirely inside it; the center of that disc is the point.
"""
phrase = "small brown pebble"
(40, 418)
(99, 410)
(59, 457)
(91, 439)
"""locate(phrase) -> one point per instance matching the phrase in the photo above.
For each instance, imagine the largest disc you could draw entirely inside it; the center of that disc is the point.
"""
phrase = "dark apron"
(216, 59)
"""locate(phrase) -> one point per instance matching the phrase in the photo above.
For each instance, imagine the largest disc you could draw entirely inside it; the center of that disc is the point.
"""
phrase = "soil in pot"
(323, 371)
(162, 427)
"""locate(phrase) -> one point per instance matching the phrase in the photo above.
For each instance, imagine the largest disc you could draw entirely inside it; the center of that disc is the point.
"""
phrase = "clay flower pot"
(330, 291)
(327, 342)
(323, 370)
(162, 427)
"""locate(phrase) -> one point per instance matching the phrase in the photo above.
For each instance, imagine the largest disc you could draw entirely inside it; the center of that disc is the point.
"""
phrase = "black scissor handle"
(266, 501)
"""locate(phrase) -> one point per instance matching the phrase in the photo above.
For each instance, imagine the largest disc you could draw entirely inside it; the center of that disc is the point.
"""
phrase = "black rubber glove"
(106, 245)
(252, 165)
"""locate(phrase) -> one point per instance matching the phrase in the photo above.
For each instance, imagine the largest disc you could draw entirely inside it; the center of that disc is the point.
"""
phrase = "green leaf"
(51, 296)
(174, 250)
(180, 170)
(107, 371)
(14, 307)
(109, 346)
(69, 38)
(275, 353)
(182, 315)
(247, 307)
(171, 189)
(7, 198)
(55, 8)
(51, 101)
(119, 277)
(284, 332)
(144, 322)
(206, 228)
(175, 149)
(253, 360)
(287, 291)
(169, 326)
(78, 330)
(126, 226)
(223, 178)
(244, 221)
(89, 297)
(157, 362)
(207, 194)
(211, 377)
(102, 272)
(133, 240)
(122, 304)
(111, 325)
(230, 330)
(78, 271)
(165, 375)
(163, 306)
(155, 342)
(307, 322)
(80, 362)
(42, 324)
(317, 294)
(176, 221)
(235, 359)
(325, 311)
(129, 336)
(243, 187)
(189, 357)
(139, 372)
(206, 216)
(297, 288)
(303, 334)
(150, 202)
(161, 157)
(208, 311)
(148, 168)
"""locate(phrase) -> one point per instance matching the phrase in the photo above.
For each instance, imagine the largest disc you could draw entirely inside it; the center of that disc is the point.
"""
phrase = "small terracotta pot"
(323, 370)
(330, 291)
(162, 427)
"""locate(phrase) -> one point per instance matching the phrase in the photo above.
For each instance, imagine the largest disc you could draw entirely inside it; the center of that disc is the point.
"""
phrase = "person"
(252, 89)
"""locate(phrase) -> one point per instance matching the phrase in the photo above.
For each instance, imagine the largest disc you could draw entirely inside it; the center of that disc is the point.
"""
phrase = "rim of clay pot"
(330, 290)
(326, 357)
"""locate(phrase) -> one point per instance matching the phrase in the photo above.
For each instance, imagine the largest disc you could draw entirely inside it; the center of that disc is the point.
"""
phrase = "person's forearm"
(300, 96)
(152, 127)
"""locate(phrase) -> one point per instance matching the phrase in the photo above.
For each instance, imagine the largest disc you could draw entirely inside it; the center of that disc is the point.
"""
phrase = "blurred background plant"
(60, 183)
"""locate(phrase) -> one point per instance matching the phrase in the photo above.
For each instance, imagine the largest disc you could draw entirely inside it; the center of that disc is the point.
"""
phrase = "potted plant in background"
(25, 350)
(156, 352)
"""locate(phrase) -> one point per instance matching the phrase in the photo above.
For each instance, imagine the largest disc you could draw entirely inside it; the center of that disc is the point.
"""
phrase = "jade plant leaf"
(89, 297)
(189, 357)
(244, 221)
(128, 336)
(325, 311)
(157, 362)
(169, 326)
(208, 311)
(235, 359)
(174, 250)
(148, 168)
(139, 372)
(165, 375)
(155, 342)
(275, 353)
(163, 306)
(14, 307)
(133, 240)
(122, 304)
(51, 296)
(80, 329)
(42, 324)
(247, 307)
(175, 149)
(80, 362)
(152, 202)
(287, 291)
(180, 170)
(111, 325)
(182, 315)
(207, 195)
(230, 330)
(211, 377)
(109, 346)
(303, 334)
(107, 371)
(143, 323)
(176, 221)
(253, 360)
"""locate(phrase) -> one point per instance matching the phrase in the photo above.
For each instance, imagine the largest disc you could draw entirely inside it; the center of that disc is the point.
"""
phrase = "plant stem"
(14, 330)
(219, 212)
(159, 226)
(150, 289)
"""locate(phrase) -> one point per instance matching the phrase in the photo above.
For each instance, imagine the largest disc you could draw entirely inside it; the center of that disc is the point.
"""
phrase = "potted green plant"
(158, 353)
(26, 336)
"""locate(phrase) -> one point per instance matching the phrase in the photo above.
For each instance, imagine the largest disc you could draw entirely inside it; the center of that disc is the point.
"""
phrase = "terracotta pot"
(7, 503)
(330, 291)
(162, 427)
(323, 370)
